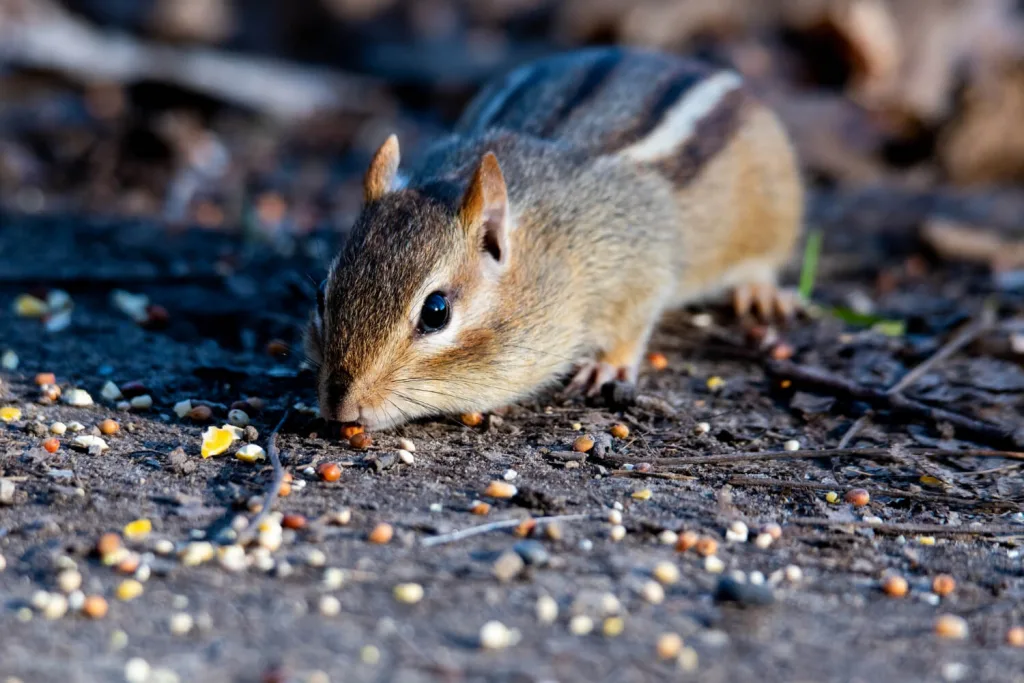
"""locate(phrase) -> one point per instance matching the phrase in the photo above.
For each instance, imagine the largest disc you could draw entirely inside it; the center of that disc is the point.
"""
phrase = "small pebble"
(181, 408)
(943, 584)
(143, 402)
(669, 645)
(508, 565)
(329, 606)
(79, 398)
(110, 391)
(791, 445)
(76, 426)
(617, 532)
(858, 497)
(408, 593)
(90, 443)
(729, 589)
(702, 428)
(181, 623)
(653, 592)
(581, 625)
(500, 489)
(666, 573)
(583, 444)
(238, 418)
(533, 553)
(951, 626)
(714, 565)
(547, 609)
(619, 431)
(200, 413)
(407, 445)
(381, 534)
(494, 635)
(95, 607)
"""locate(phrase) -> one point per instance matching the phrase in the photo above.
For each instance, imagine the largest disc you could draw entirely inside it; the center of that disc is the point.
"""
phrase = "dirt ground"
(226, 300)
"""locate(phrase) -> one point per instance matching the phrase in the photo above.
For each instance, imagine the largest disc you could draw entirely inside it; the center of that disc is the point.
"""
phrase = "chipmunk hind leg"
(620, 358)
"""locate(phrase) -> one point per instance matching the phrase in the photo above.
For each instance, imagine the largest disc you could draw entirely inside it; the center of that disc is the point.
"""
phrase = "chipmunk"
(578, 198)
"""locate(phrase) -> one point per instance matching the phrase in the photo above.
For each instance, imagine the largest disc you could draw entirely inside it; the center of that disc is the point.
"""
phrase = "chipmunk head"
(405, 322)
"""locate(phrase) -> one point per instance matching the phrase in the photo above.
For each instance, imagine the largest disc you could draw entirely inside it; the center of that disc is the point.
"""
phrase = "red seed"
(348, 431)
(472, 419)
(329, 471)
(657, 360)
(46, 378)
(360, 441)
(943, 584)
(858, 497)
(200, 413)
(51, 445)
(293, 521)
(132, 389)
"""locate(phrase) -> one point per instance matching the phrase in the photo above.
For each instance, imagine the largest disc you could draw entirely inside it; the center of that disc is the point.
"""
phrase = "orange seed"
(706, 546)
(381, 533)
(51, 445)
(360, 441)
(109, 427)
(472, 419)
(687, 540)
(858, 497)
(46, 378)
(293, 521)
(943, 584)
(329, 471)
(583, 443)
(619, 431)
(95, 607)
(657, 360)
(348, 431)
(895, 586)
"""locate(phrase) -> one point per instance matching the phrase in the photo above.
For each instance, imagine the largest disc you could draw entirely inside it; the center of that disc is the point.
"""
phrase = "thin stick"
(275, 482)
(897, 528)
(867, 453)
(494, 526)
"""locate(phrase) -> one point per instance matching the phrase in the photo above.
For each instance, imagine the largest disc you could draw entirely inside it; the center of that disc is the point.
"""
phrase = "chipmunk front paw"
(768, 301)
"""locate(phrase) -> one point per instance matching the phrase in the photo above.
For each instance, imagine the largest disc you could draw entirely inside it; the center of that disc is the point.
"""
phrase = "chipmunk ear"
(484, 212)
(381, 174)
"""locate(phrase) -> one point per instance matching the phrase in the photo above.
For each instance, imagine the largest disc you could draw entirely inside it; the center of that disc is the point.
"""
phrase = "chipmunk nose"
(335, 403)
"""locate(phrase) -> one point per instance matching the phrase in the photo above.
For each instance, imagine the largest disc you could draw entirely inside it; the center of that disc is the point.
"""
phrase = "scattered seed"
(232, 558)
(642, 494)
(69, 580)
(381, 533)
(653, 592)
(669, 645)
(951, 626)
(360, 441)
(369, 654)
(576, 426)
(329, 471)
(143, 402)
(137, 670)
(500, 489)
(478, 507)
(1015, 637)
(472, 419)
(138, 530)
(494, 635)
(737, 532)
(666, 573)
(858, 497)
(334, 578)
(409, 593)
(197, 552)
(329, 606)
(668, 537)
(180, 623)
(293, 521)
(619, 431)
(793, 573)
(547, 609)
(615, 517)
(95, 607)
(10, 413)
(250, 453)
(617, 532)
(581, 625)
(109, 427)
(129, 589)
(943, 584)
(348, 431)
(128, 563)
(657, 360)
(763, 541)
(926, 540)
(687, 540)
(715, 383)
(76, 426)
(3, 563)
(702, 428)
(51, 445)
(508, 566)
(583, 443)
(524, 528)
(706, 546)
(406, 457)
(407, 445)
(613, 626)
(238, 418)
(216, 440)
(714, 565)
(108, 544)
(28, 306)
(58, 428)
(832, 497)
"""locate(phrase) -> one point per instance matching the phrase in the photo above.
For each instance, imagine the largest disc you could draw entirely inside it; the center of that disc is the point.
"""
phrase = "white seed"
(617, 532)
(329, 606)
(618, 506)
(494, 635)
(143, 402)
(547, 609)
(88, 441)
(261, 559)
(232, 558)
(75, 426)
(183, 408)
(791, 445)
(124, 406)
(610, 604)
(756, 578)
(136, 670)
(763, 540)
(509, 475)
(668, 537)
(238, 418)
(407, 445)
(713, 564)
(111, 392)
(56, 607)
(408, 593)
(334, 578)
(688, 659)
(653, 593)
(76, 600)
(58, 428)
(196, 553)
(702, 320)
(77, 397)
(340, 517)
(615, 517)
(436, 507)
(163, 676)
(666, 573)
(581, 625)
(737, 532)
(702, 428)
(69, 580)
(3, 563)
(163, 547)
(181, 623)
(793, 573)
(251, 452)
(406, 456)
(316, 557)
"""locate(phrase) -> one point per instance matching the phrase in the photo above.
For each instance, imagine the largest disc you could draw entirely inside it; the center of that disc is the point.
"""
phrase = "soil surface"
(932, 510)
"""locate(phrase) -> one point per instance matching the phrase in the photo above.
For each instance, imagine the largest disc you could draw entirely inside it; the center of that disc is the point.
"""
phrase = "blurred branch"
(41, 35)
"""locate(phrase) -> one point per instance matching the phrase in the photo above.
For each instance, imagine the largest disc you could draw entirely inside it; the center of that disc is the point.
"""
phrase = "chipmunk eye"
(435, 314)
(321, 296)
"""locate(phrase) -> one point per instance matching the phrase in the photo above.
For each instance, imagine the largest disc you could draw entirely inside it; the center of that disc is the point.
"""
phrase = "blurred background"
(260, 115)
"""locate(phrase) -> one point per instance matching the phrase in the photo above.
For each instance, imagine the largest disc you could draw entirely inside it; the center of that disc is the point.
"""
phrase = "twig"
(867, 453)
(821, 379)
(965, 336)
(897, 528)
(636, 474)
(892, 493)
(275, 482)
(494, 526)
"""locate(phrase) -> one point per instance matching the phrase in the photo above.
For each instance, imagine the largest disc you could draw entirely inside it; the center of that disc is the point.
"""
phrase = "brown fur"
(593, 247)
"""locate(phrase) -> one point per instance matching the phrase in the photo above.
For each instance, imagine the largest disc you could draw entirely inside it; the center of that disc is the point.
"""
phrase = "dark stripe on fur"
(512, 101)
(671, 95)
(710, 136)
(588, 87)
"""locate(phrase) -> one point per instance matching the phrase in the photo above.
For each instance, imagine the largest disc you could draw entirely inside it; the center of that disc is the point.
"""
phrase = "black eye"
(321, 296)
(435, 314)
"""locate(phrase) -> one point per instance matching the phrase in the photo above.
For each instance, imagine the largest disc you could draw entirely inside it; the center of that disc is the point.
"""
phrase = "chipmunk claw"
(768, 301)
(593, 375)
